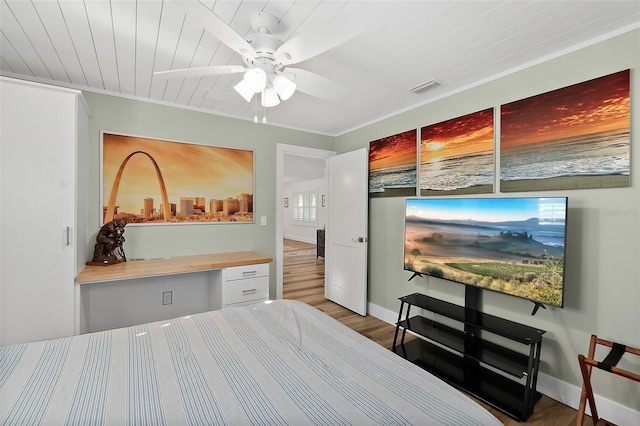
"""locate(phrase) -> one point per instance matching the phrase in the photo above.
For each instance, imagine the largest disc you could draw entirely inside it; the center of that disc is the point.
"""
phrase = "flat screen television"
(514, 246)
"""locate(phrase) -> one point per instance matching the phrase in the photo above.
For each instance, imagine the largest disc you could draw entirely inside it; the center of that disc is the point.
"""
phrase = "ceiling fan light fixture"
(270, 97)
(284, 87)
(244, 91)
(255, 79)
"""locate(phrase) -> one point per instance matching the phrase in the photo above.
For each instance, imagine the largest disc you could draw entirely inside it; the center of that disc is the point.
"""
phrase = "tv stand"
(467, 357)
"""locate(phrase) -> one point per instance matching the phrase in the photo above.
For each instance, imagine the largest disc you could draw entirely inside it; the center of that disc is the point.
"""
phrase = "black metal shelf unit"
(461, 357)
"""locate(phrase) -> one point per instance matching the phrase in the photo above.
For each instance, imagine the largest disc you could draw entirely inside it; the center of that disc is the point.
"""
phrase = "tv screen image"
(509, 245)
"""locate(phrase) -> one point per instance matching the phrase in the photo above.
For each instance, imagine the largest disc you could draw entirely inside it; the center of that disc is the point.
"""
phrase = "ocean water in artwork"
(457, 173)
(392, 177)
(600, 154)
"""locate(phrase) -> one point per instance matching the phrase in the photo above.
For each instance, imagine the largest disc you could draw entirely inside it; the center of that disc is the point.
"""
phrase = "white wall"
(603, 248)
(303, 232)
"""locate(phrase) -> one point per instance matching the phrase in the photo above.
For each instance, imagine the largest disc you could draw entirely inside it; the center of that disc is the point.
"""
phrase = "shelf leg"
(406, 317)
(536, 365)
(395, 336)
(532, 378)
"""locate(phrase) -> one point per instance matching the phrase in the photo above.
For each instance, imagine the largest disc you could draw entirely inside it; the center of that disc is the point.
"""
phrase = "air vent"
(425, 86)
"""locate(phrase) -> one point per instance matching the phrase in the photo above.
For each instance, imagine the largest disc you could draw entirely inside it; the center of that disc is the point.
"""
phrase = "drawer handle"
(252, 290)
(249, 273)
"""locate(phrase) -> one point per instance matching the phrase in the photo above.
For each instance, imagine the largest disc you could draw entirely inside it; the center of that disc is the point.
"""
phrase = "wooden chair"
(608, 364)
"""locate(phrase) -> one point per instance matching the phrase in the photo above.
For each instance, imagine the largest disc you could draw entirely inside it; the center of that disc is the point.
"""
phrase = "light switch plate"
(263, 220)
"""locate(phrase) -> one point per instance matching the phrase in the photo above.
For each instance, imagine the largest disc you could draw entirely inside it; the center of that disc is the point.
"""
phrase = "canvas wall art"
(150, 181)
(570, 138)
(457, 155)
(392, 165)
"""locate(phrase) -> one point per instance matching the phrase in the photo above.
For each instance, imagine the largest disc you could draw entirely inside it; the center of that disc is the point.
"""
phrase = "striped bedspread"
(274, 363)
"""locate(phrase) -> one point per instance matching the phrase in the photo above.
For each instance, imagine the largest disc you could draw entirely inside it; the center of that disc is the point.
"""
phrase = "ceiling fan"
(267, 58)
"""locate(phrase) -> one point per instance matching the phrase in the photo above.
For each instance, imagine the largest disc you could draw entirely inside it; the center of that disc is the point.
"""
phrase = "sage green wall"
(603, 250)
(125, 116)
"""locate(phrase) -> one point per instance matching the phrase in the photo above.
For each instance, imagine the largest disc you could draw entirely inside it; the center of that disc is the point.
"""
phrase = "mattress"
(274, 363)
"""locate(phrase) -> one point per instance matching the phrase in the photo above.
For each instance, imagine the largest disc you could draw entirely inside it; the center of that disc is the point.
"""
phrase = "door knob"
(359, 240)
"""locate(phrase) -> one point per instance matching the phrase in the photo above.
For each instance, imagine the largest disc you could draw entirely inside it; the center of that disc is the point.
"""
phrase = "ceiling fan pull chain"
(255, 109)
(264, 110)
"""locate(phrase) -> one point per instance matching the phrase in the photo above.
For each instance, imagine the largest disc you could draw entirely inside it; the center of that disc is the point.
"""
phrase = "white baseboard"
(383, 314)
(554, 388)
(569, 394)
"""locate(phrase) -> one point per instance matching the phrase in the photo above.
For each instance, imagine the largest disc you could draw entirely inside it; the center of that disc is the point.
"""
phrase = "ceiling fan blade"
(201, 71)
(216, 27)
(315, 85)
(312, 43)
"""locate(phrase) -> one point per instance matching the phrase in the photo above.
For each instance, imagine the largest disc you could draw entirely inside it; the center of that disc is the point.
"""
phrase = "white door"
(346, 238)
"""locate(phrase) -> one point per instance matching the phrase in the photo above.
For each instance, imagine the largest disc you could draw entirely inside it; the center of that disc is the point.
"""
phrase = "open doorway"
(303, 273)
(301, 164)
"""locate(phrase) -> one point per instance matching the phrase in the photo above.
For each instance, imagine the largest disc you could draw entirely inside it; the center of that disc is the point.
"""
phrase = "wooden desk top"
(167, 266)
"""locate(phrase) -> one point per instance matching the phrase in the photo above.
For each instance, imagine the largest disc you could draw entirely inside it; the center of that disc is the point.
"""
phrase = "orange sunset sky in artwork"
(188, 170)
(393, 151)
(594, 106)
(458, 137)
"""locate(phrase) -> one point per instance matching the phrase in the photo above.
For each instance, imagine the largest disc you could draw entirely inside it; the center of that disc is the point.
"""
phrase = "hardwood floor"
(303, 280)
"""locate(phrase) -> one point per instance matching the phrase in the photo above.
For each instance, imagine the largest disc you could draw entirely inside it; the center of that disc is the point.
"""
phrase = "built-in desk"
(133, 292)
(167, 266)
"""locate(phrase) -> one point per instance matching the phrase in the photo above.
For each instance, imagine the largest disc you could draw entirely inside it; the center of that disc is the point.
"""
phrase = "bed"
(274, 363)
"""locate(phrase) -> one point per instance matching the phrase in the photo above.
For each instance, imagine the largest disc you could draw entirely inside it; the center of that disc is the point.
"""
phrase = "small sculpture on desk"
(108, 249)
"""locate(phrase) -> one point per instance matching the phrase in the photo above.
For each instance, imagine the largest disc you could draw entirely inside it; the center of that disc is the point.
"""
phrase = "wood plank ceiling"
(115, 46)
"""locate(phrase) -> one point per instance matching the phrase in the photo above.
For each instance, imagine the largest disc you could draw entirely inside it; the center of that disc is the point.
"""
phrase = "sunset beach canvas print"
(392, 165)
(571, 138)
(457, 155)
(149, 181)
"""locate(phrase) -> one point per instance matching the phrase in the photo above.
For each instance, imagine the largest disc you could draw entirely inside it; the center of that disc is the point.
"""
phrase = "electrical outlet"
(167, 297)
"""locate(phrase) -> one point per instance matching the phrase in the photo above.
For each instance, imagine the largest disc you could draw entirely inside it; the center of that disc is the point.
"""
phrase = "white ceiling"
(115, 47)
(300, 168)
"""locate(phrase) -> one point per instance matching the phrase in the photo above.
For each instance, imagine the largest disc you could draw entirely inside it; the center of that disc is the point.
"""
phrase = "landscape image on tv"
(510, 245)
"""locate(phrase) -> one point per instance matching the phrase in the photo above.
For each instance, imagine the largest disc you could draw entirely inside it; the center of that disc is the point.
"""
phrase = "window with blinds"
(305, 208)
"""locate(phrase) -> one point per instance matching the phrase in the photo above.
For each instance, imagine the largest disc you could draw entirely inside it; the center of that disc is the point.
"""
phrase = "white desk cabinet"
(244, 285)
(43, 222)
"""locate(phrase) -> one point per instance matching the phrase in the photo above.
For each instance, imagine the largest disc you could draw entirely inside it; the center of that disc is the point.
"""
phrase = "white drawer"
(247, 271)
(250, 289)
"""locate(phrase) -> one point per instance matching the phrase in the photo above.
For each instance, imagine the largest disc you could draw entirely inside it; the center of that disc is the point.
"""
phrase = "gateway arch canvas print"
(149, 181)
